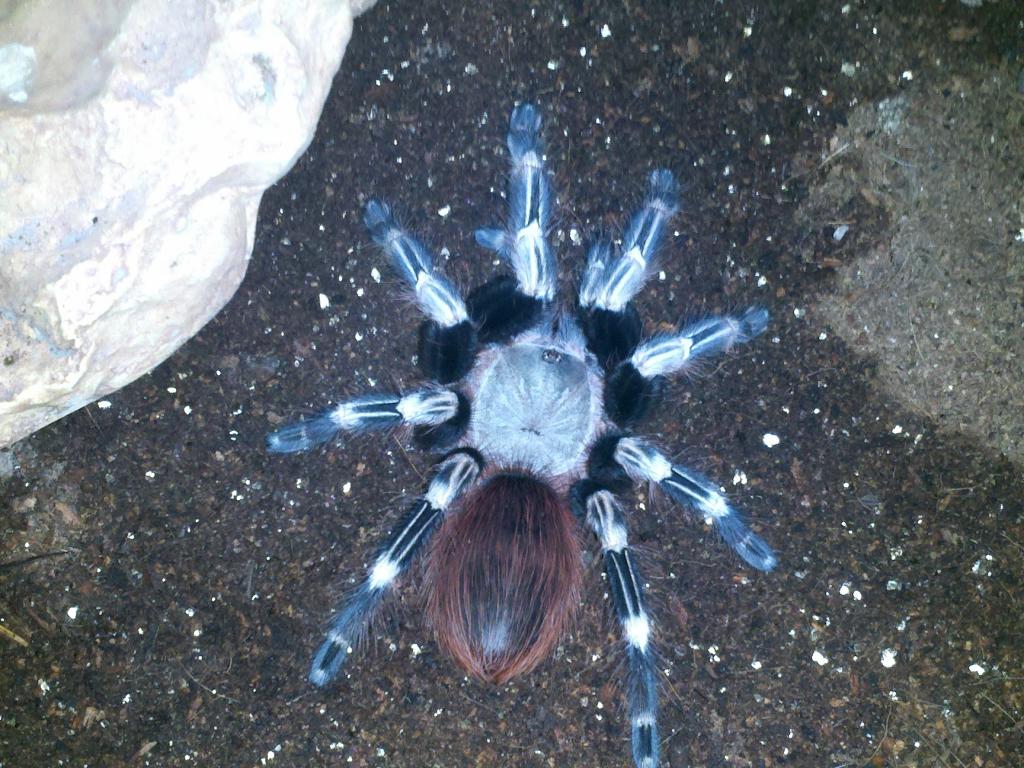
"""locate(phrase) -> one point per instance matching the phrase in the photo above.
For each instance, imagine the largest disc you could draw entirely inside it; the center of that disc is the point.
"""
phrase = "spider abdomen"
(503, 577)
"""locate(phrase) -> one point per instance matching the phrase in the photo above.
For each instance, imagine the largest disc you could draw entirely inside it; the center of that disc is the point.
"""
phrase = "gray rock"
(134, 150)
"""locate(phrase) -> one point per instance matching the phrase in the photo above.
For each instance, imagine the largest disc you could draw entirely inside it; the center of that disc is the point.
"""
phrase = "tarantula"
(532, 401)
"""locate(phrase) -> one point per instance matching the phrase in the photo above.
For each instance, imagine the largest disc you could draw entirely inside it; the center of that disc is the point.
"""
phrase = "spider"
(531, 405)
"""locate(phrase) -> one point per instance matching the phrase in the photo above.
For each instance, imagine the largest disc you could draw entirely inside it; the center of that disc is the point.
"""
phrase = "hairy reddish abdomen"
(503, 577)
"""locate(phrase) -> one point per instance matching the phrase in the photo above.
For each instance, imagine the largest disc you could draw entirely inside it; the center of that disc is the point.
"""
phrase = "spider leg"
(457, 472)
(643, 462)
(447, 338)
(501, 311)
(604, 516)
(610, 281)
(427, 407)
(636, 381)
(522, 243)
(612, 278)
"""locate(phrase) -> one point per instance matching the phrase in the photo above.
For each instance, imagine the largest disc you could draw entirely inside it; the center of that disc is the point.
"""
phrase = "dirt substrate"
(164, 581)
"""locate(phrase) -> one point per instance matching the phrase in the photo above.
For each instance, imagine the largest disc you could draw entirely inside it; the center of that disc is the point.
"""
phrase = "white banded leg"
(437, 297)
(523, 243)
(605, 519)
(672, 352)
(610, 280)
(425, 407)
(454, 475)
(644, 462)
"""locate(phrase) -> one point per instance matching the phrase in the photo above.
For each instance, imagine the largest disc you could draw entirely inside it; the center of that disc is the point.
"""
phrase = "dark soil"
(164, 581)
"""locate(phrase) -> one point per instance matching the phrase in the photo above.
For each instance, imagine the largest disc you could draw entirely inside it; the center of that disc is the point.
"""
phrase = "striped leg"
(674, 352)
(605, 519)
(455, 474)
(428, 407)
(634, 381)
(523, 243)
(644, 462)
(447, 339)
(611, 280)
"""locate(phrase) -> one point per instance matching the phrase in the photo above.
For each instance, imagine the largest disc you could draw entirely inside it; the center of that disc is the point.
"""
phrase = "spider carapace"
(532, 402)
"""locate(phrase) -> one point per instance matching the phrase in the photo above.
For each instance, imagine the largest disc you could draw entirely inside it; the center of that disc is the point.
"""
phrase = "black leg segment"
(628, 395)
(500, 310)
(447, 353)
(611, 336)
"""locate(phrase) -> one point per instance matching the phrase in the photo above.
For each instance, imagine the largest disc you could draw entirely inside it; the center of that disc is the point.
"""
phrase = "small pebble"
(770, 440)
(840, 233)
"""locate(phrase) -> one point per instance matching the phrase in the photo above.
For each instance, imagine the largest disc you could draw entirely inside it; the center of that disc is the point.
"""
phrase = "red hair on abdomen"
(503, 577)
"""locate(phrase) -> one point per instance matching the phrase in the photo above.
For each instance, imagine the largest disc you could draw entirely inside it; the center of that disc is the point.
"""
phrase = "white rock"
(136, 139)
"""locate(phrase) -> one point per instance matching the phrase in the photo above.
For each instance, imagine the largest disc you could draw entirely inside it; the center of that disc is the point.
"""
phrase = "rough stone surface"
(134, 150)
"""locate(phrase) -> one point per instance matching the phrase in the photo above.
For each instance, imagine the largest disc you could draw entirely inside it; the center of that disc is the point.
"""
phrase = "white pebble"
(977, 669)
(888, 657)
(897, 430)
(840, 232)
(375, 274)
(73, 612)
(819, 658)
(770, 439)
(442, 212)
(605, 32)
(325, 302)
(103, 404)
